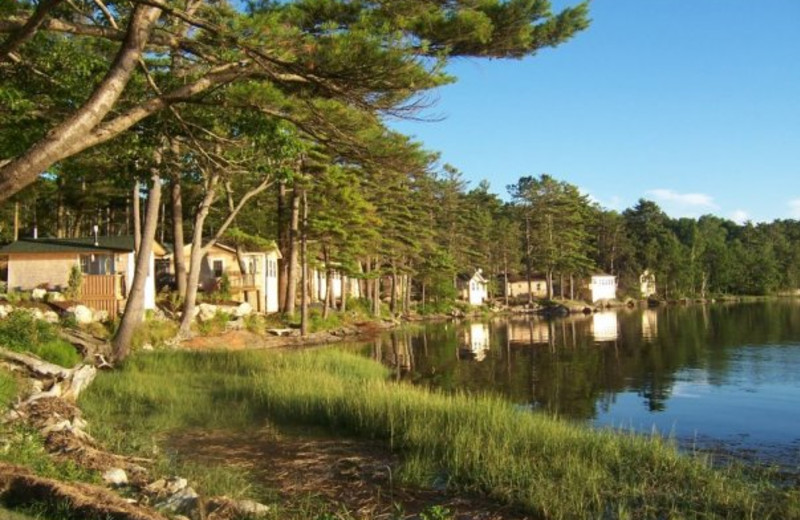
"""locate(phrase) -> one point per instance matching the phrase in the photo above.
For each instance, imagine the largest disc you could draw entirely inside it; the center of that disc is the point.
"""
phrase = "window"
(97, 264)
(218, 268)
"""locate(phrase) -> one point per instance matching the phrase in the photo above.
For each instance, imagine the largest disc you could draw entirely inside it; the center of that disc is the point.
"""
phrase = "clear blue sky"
(694, 104)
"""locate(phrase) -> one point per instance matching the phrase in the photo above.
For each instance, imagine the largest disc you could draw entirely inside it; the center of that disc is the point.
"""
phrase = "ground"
(355, 475)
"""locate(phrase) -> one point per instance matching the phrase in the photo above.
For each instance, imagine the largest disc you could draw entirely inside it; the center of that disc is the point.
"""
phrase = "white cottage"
(647, 284)
(473, 289)
(603, 287)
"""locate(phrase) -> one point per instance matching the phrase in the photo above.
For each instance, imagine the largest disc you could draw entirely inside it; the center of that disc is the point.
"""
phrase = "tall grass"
(8, 389)
(475, 444)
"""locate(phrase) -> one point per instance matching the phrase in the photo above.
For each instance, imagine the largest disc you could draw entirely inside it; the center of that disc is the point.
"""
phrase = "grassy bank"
(473, 444)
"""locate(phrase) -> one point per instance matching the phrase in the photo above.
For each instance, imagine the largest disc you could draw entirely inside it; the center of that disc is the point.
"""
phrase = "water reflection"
(718, 371)
(649, 324)
(475, 343)
(605, 326)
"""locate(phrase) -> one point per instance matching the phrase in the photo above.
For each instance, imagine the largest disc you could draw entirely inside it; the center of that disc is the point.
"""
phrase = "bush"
(8, 389)
(154, 332)
(21, 332)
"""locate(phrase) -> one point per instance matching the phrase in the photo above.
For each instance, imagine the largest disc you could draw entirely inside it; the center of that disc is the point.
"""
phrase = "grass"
(21, 332)
(473, 444)
(8, 389)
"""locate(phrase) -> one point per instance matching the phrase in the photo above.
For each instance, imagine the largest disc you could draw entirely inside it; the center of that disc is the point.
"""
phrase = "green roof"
(69, 245)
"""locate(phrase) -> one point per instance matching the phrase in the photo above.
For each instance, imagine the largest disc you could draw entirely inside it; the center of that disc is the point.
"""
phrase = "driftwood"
(63, 382)
(20, 487)
(89, 346)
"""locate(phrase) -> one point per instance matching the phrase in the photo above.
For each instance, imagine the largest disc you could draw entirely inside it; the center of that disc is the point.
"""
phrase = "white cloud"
(794, 208)
(684, 199)
(615, 202)
(740, 216)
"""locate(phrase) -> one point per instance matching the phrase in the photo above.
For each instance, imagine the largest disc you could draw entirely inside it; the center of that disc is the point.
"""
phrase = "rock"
(184, 502)
(36, 313)
(206, 311)
(115, 477)
(251, 507)
(55, 296)
(38, 294)
(244, 309)
(235, 325)
(50, 316)
(82, 314)
(101, 315)
(148, 346)
(165, 487)
(5, 310)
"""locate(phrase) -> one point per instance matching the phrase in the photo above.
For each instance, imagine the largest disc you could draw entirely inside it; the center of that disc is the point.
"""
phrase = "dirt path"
(359, 476)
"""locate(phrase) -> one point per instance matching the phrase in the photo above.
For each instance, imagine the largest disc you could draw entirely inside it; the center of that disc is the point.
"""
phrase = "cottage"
(647, 284)
(603, 287)
(473, 289)
(106, 262)
(254, 281)
(339, 280)
(517, 286)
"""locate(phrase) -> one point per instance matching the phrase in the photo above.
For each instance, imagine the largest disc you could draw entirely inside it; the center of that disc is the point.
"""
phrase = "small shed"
(473, 288)
(603, 287)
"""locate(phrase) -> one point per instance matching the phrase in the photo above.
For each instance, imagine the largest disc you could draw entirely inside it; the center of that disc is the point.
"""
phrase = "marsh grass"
(476, 444)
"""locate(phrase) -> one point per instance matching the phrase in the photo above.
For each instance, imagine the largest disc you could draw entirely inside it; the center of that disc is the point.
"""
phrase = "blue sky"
(694, 104)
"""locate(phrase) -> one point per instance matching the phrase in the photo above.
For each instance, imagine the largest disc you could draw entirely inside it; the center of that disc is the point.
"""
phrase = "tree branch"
(26, 32)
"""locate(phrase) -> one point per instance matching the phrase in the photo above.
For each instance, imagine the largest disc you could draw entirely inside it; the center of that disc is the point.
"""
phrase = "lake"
(720, 377)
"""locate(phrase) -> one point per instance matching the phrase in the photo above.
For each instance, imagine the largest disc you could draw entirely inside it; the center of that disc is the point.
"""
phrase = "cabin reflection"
(649, 324)
(529, 332)
(605, 326)
(475, 342)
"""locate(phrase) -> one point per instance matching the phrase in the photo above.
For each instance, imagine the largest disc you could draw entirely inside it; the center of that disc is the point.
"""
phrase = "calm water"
(720, 376)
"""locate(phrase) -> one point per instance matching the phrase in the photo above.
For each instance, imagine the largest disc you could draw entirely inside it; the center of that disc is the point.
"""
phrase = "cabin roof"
(121, 244)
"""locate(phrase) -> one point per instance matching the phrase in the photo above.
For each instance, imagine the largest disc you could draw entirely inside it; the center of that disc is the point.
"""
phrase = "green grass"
(21, 332)
(480, 445)
(8, 389)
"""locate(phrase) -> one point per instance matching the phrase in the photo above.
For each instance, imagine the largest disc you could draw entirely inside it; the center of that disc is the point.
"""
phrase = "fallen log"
(20, 487)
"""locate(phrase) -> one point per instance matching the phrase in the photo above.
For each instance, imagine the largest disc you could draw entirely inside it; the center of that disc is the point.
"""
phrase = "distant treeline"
(431, 227)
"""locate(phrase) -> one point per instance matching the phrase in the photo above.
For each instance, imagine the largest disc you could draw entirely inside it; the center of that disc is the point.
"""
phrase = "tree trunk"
(304, 269)
(196, 258)
(134, 308)
(178, 257)
(528, 273)
(561, 285)
(283, 247)
(571, 286)
(137, 216)
(345, 293)
(294, 233)
(68, 138)
(376, 295)
(393, 297)
(549, 284)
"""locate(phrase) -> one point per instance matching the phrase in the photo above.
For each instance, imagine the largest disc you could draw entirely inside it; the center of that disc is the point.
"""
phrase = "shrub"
(74, 283)
(21, 332)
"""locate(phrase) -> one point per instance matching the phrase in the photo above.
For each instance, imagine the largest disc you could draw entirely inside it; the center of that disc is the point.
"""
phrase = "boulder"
(50, 316)
(38, 294)
(101, 315)
(244, 309)
(206, 311)
(55, 296)
(81, 313)
(5, 310)
(184, 502)
(115, 477)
